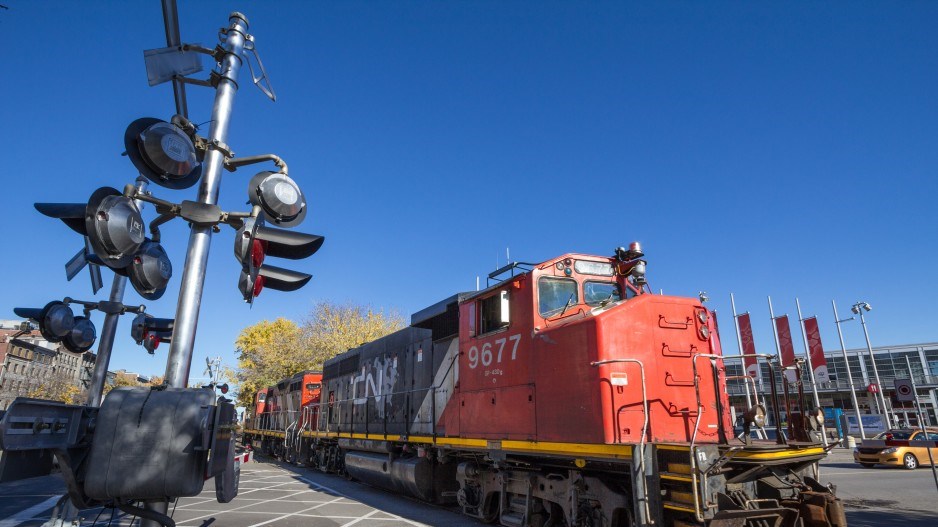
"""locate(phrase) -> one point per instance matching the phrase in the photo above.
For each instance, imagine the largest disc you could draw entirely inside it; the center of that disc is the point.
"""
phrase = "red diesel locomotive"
(565, 394)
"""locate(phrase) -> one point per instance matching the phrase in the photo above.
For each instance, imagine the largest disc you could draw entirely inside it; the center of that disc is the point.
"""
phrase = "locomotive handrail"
(641, 442)
(778, 426)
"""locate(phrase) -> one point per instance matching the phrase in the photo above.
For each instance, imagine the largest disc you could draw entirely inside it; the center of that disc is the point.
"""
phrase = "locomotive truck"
(567, 393)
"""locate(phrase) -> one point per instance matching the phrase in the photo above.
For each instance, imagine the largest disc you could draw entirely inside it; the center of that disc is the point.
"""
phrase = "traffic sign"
(872, 388)
(904, 390)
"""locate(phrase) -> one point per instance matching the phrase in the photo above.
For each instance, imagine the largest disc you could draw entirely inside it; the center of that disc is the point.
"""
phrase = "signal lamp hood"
(163, 153)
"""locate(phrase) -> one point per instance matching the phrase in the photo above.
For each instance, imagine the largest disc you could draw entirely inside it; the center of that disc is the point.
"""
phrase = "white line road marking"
(365, 517)
(340, 498)
(241, 507)
(26, 514)
(337, 493)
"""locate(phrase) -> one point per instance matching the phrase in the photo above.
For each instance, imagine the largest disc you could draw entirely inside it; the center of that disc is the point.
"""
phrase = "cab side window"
(493, 312)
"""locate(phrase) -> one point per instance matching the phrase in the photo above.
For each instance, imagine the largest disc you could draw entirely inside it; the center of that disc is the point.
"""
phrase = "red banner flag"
(785, 345)
(749, 347)
(815, 350)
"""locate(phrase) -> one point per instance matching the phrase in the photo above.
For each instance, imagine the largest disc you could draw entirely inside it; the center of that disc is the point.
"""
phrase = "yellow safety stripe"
(743, 454)
(543, 447)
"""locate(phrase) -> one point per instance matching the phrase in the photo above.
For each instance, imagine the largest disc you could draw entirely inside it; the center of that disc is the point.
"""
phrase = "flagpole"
(739, 342)
(807, 354)
(778, 356)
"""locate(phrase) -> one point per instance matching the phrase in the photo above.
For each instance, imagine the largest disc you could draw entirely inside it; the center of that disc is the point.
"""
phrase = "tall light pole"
(858, 309)
(853, 391)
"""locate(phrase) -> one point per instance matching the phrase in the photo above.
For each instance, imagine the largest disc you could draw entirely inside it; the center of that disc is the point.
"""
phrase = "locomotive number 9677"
(487, 354)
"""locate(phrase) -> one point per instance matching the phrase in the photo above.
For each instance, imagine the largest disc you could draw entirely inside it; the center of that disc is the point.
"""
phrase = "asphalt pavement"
(277, 494)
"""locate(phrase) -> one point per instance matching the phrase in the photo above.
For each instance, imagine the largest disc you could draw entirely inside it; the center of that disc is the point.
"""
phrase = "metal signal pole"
(200, 238)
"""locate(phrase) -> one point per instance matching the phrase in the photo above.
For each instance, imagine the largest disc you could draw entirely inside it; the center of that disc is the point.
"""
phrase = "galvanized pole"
(921, 422)
(200, 238)
(853, 391)
(739, 342)
(106, 343)
(879, 384)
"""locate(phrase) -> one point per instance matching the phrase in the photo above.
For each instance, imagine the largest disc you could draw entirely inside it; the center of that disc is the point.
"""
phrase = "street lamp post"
(858, 309)
(853, 391)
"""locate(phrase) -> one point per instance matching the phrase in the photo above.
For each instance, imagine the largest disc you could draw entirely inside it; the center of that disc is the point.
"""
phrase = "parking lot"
(281, 495)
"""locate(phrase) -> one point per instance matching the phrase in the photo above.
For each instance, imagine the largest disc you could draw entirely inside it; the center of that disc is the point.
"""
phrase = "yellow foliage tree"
(272, 350)
(58, 391)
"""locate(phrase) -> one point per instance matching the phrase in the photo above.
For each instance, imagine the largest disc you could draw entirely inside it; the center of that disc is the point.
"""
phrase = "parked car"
(892, 448)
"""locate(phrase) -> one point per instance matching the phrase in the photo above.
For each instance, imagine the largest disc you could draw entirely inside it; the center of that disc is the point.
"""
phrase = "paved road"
(279, 495)
(882, 495)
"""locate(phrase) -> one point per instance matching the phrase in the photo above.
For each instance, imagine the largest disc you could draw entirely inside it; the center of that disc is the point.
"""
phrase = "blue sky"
(784, 150)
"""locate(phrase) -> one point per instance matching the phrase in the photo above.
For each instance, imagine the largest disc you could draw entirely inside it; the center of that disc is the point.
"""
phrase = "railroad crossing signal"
(163, 153)
(150, 331)
(255, 241)
(57, 323)
(904, 390)
(113, 226)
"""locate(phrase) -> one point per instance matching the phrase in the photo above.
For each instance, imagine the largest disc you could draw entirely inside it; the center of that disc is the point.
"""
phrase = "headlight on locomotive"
(755, 415)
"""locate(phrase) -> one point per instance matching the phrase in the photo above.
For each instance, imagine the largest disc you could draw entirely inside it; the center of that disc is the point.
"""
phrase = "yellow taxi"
(893, 448)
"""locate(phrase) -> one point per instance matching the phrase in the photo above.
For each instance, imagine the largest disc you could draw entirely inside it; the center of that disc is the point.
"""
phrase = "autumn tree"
(272, 350)
(58, 390)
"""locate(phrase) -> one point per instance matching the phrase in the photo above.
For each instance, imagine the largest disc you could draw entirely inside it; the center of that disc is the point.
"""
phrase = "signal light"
(163, 153)
(279, 196)
(57, 323)
(150, 270)
(81, 337)
(150, 331)
(223, 388)
(111, 222)
(255, 241)
(55, 320)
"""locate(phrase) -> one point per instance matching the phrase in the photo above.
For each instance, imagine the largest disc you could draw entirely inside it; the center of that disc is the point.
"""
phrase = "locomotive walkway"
(277, 495)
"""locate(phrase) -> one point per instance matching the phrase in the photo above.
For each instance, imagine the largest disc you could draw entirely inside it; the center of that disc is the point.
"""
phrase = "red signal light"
(258, 251)
(152, 340)
(258, 286)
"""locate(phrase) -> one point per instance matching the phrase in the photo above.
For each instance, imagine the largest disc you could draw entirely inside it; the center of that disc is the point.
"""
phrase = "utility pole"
(858, 308)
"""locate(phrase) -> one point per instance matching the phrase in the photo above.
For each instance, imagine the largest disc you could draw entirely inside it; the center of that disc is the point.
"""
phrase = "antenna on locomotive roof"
(477, 282)
(507, 254)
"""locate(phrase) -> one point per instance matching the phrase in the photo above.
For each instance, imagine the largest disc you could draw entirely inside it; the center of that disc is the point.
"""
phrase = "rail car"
(567, 393)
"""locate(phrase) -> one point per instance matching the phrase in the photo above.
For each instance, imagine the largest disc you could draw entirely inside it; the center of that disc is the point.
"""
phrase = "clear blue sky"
(784, 150)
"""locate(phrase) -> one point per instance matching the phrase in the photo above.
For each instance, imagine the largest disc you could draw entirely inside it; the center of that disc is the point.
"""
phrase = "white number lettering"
(473, 357)
(514, 350)
(487, 354)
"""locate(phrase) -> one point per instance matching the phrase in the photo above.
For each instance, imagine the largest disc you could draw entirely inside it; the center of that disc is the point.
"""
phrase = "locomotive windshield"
(556, 294)
(600, 293)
